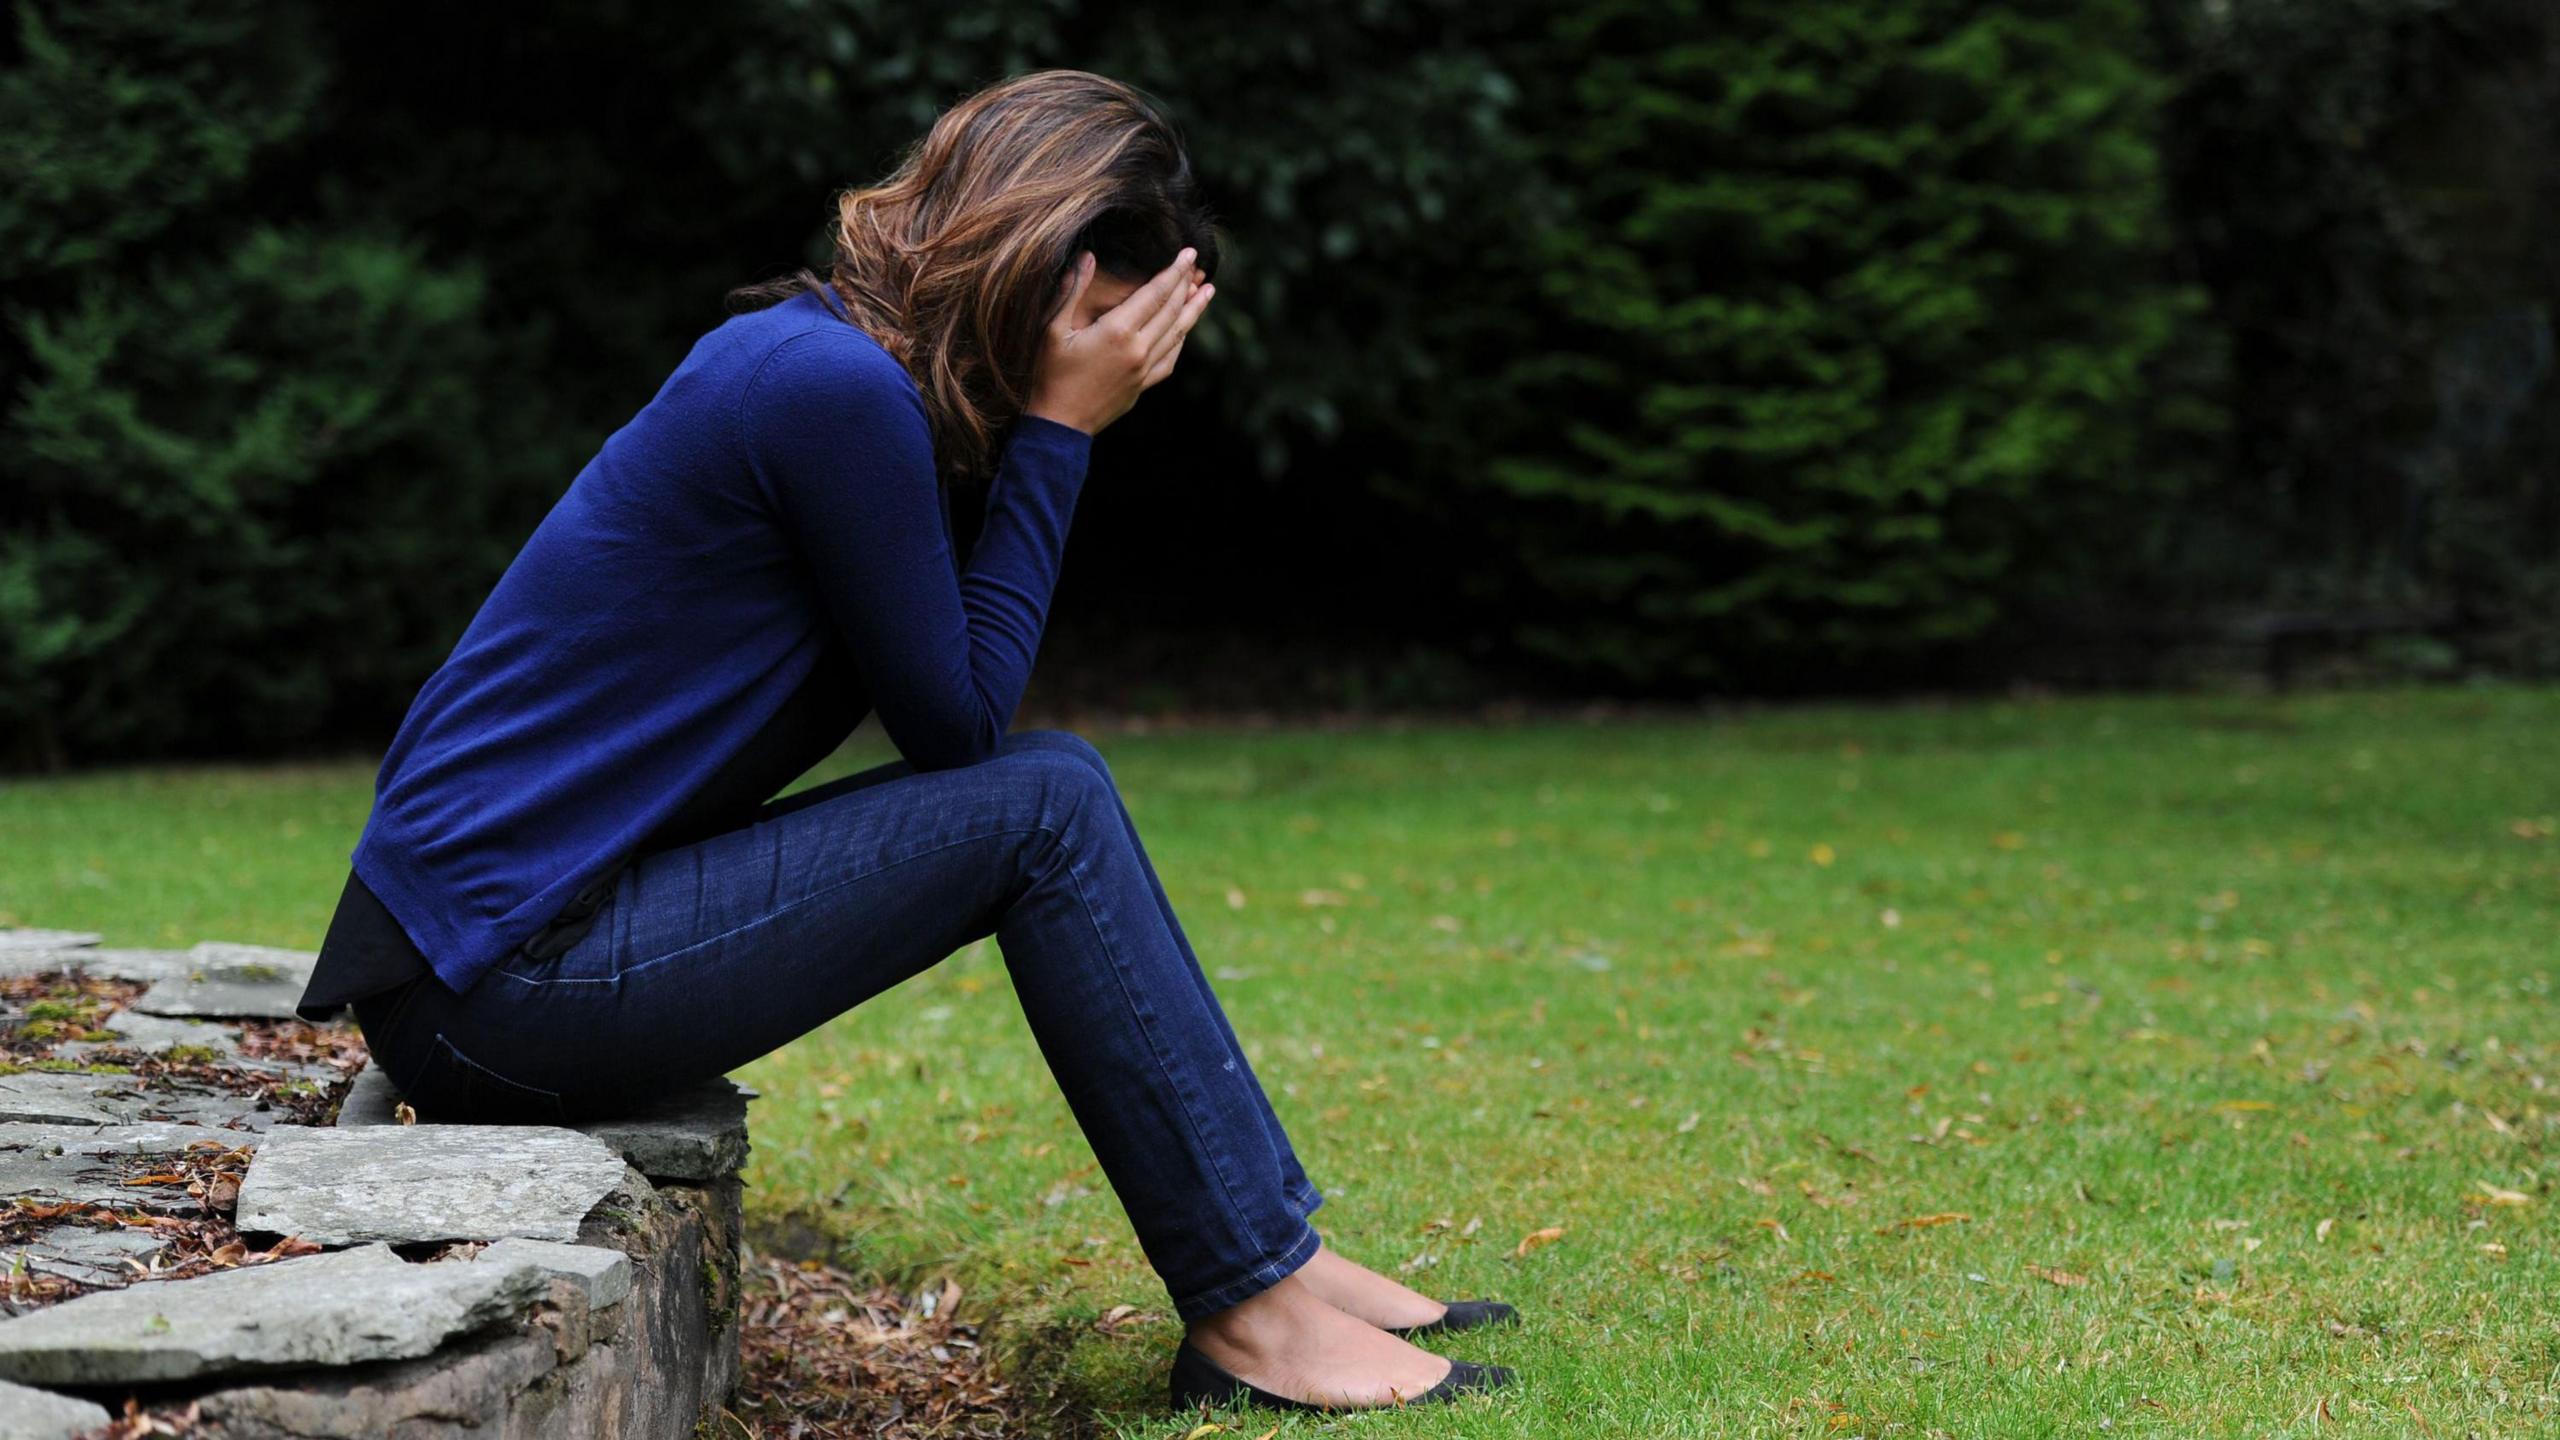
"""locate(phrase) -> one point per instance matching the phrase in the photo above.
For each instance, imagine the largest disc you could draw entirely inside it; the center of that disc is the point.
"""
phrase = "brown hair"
(957, 260)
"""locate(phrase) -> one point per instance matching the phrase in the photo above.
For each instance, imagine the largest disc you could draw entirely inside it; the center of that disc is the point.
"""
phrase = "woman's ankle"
(1357, 1290)
(1263, 1322)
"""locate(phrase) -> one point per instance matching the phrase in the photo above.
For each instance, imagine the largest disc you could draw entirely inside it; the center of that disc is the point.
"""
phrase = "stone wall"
(216, 1212)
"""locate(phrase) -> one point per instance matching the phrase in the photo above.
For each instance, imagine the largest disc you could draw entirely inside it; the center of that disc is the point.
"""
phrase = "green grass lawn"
(2147, 1067)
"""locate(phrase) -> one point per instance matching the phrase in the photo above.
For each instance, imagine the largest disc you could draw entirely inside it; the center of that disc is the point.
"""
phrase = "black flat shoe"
(1462, 1315)
(1197, 1378)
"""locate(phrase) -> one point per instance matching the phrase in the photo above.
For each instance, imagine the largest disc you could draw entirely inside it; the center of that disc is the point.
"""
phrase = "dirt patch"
(829, 1354)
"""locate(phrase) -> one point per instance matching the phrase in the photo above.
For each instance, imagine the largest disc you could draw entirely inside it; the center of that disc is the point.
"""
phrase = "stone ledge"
(193, 1233)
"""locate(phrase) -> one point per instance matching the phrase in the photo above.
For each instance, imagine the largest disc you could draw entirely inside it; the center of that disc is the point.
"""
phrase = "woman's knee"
(1059, 742)
(1058, 779)
(1059, 804)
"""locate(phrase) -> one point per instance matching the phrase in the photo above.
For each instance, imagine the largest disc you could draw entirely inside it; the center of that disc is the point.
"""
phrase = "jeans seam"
(470, 1077)
(1119, 975)
(1261, 1277)
(776, 913)
(1303, 1195)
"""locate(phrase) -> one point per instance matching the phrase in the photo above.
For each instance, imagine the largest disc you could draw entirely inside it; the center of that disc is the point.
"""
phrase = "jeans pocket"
(456, 1088)
(577, 943)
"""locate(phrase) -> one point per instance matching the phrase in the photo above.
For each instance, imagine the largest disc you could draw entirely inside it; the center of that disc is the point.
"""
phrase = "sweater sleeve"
(836, 435)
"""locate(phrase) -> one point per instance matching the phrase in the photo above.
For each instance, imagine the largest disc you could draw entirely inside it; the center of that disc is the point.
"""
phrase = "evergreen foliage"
(1672, 346)
(245, 459)
(1854, 320)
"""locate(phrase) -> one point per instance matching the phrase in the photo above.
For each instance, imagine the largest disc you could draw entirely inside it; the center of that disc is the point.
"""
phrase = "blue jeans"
(708, 955)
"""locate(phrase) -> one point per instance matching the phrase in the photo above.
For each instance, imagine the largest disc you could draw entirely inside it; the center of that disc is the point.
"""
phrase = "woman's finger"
(1148, 301)
(1187, 317)
(1162, 367)
(1168, 316)
(1158, 311)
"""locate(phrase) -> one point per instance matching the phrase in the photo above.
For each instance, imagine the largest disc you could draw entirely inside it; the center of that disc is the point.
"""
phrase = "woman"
(574, 890)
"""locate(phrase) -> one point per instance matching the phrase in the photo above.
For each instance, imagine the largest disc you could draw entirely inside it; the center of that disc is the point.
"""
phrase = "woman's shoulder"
(812, 380)
(799, 350)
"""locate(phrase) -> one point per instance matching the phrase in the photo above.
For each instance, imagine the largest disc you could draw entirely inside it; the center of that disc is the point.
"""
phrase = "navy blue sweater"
(780, 489)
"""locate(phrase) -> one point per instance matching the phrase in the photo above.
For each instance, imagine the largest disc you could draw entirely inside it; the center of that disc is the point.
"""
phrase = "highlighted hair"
(957, 260)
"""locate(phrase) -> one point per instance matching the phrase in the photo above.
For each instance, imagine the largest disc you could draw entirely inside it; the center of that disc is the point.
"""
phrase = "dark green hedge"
(1676, 345)
(252, 462)
(1846, 325)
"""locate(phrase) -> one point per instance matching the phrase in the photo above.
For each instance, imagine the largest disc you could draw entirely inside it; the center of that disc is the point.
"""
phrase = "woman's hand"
(1089, 377)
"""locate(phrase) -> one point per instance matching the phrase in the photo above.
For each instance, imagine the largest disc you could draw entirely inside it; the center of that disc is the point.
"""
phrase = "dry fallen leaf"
(2499, 1195)
(1113, 1320)
(1536, 1238)
(1924, 1222)
(2058, 1277)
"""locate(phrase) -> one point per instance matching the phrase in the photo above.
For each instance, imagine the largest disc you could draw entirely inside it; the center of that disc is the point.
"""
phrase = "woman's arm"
(836, 434)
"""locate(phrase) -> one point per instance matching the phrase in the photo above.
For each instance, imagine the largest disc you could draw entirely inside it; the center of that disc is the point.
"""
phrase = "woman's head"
(956, 261)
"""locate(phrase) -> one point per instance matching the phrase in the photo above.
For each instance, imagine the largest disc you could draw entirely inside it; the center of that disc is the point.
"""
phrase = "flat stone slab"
(236, 961)
(154, 1034)
(145, 965)
(45, 1097)
(336, 1309)
(467, 1388)
(20, 937)
(229, 981)
(227, 999)
(426, 1182)
(31, 1414)
(87, 1254)
(605, 1275)
(147, 1138)
(87, 1166)
(243, 974)
(696, 1134)
(370, 1100)
(210, 1107)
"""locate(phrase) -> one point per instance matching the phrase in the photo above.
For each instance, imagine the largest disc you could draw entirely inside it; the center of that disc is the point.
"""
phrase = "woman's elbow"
(953, 747)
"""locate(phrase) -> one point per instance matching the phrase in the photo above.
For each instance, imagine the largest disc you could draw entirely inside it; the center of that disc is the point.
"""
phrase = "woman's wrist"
(1057, 415)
